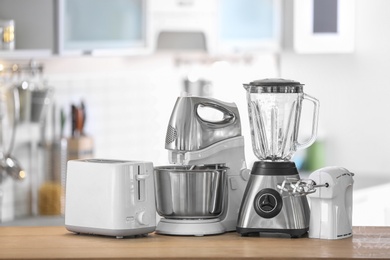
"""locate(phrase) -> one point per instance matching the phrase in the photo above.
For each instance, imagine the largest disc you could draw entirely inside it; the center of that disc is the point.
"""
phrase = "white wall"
(353, 90)
(129, 100)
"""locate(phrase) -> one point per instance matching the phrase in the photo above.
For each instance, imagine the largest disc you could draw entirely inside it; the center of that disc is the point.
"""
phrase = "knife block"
(80, 147)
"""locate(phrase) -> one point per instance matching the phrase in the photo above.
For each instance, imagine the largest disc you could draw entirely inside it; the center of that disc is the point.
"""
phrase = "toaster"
(110, 197)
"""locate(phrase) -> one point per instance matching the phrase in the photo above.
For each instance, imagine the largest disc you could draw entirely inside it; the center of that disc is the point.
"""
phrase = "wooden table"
(58, 243)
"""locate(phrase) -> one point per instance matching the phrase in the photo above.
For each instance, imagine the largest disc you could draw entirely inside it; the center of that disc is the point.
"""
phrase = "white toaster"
(110, 197)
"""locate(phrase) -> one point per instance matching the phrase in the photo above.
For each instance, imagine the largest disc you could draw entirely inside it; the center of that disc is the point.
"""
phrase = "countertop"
(55, 242)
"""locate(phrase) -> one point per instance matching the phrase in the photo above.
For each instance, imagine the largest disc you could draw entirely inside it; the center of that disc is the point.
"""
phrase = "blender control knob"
(143, 218)
(268, 203)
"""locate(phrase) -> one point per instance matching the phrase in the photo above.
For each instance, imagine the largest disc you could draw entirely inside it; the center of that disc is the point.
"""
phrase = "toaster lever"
(142, 177)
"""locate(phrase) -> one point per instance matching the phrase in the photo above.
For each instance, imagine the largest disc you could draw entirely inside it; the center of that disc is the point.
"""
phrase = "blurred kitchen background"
(116, 68)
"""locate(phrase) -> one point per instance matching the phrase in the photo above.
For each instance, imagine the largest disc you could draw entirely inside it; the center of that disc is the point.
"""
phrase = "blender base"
(293, 233)
(189, 227)
(266, 208)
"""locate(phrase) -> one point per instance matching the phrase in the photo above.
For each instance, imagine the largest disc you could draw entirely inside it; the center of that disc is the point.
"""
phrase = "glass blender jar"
(274, 112)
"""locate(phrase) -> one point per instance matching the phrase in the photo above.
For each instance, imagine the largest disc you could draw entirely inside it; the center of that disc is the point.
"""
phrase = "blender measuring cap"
(274, 85)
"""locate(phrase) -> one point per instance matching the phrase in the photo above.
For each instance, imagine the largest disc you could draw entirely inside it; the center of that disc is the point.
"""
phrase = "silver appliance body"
(189, 131)
(190, 192)
(275, 198)
(267, 209)
(195, 138)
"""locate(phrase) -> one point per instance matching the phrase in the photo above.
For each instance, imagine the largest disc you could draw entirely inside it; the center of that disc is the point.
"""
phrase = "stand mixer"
(275, 197)
(201, 193)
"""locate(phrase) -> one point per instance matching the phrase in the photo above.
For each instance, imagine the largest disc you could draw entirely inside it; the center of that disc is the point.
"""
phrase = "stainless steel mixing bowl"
(189, 192)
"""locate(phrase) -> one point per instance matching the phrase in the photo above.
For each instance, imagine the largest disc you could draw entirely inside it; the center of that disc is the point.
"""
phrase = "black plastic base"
(293, 233)
(277, 168)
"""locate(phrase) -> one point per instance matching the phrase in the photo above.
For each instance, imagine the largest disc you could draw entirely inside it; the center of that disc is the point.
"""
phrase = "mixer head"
(189, 131)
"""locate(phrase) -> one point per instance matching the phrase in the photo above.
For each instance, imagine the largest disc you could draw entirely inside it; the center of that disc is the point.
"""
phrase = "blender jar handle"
(313, 137)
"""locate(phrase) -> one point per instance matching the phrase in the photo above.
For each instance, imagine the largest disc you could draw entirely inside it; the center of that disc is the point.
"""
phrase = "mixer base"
(187, 227)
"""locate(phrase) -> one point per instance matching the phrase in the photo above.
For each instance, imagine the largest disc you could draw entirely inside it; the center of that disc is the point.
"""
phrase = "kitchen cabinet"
(34, 27)
(57, 243)
(47, 27)
(121, 27)
(219, 26)
(102, 27)
(144, 26)
(249, 25)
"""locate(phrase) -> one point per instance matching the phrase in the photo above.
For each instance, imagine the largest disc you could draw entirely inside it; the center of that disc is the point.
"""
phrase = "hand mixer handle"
(313, 137)
(228, 115)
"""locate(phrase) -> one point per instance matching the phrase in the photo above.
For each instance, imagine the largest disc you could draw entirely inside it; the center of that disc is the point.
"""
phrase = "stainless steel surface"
(189, 131)
(8, 164)
(271, 85)
(188, 192)
(13, 168)
(40, 99)
(294, 187)
(295, 213)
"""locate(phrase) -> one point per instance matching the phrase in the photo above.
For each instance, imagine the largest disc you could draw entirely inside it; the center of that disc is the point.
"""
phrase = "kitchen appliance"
(331, 205)
(110, 197)
(201, 193)
(275, 198)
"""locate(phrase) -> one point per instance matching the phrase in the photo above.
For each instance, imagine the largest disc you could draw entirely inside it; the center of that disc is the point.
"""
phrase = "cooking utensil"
(8, 163)
(84, 115)
(78, 119)
(62, 122)
(40, 99)
(74, 120)
(13, 168)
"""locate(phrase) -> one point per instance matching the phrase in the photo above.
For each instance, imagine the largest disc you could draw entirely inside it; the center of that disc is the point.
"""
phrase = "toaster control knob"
(268, 203)
(143, 218)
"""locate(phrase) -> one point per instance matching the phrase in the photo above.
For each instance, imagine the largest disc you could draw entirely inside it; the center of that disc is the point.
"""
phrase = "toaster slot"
(140, 184)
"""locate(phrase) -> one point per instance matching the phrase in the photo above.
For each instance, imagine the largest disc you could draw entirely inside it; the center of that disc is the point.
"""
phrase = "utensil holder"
(51, 195)
(80, 147)
(39, 101)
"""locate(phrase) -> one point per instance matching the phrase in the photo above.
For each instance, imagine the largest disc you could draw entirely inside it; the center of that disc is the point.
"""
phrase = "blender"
(201, 193)
(275, 197)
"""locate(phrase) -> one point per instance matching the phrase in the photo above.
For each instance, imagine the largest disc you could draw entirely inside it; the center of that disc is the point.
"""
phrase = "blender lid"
(274, 85)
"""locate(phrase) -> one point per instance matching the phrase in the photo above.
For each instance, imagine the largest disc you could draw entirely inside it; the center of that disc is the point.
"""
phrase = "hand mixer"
(331, 205)
(330, 192)
(209, 170)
